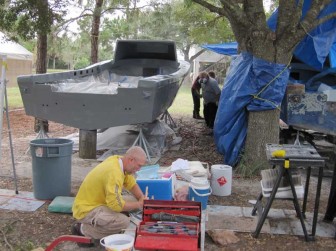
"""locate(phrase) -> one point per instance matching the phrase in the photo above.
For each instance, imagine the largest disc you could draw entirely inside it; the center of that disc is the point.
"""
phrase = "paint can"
(199, 190)
(221, 180)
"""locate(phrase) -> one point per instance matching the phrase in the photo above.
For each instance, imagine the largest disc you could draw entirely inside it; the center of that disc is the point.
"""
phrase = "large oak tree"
(249, 24)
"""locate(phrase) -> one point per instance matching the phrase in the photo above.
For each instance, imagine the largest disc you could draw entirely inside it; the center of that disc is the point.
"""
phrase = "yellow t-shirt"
(102, 187)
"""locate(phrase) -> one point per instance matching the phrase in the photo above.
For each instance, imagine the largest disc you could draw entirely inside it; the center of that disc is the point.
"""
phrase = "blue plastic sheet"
(317, 45)
(229, 49)
(247, 77)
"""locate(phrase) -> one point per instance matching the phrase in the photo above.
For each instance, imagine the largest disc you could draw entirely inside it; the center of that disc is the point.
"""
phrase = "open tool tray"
(169, 225)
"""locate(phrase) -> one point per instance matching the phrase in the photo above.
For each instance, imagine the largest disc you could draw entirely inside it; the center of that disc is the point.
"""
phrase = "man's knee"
(124, 221)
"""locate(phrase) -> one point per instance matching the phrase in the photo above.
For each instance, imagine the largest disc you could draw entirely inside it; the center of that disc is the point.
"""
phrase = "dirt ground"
(30, 230)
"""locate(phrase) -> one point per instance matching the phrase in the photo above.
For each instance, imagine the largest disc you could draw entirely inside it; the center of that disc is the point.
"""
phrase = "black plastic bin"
(51, 161)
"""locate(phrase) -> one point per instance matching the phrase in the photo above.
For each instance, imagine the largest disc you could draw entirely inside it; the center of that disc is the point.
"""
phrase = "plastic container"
(148, 172)
(221, 180)
(199, 190)
(118, 242)
(158, 189)
(283, 192)
(51, 162)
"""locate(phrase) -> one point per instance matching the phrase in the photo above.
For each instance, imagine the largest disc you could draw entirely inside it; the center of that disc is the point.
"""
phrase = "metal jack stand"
(142, 142)
(4, 95)
(168, 120)
(41, 135)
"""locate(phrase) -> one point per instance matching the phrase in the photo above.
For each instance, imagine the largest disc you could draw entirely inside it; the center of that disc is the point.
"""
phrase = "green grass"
(14, 98)
(183, 103)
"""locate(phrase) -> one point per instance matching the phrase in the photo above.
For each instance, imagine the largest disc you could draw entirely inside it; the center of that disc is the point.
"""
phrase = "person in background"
(211, 93)
(196, 95)
(212, 75)
(99, 207)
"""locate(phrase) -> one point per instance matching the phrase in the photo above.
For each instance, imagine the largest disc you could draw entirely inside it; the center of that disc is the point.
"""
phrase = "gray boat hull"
(153, 95)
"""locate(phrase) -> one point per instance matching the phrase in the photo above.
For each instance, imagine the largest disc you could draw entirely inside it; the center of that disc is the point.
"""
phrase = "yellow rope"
(305, 30)
(269, 101)
(256, 96)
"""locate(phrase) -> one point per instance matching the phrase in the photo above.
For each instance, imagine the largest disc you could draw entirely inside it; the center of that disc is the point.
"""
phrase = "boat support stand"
(167, 118)
(143, 143)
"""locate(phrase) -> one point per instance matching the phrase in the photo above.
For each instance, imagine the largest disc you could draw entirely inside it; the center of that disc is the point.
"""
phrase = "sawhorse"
(303, 156)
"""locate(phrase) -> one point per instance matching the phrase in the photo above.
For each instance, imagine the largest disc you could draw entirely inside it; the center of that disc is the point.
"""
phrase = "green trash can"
(51, 161)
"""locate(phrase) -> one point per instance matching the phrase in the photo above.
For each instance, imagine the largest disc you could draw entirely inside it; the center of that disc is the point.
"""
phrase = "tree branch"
(233, 12)
(124, 8)
(325, 19)
(212, 8)
(255, 11)
(288, 16)
(311, 20)
(197, 54)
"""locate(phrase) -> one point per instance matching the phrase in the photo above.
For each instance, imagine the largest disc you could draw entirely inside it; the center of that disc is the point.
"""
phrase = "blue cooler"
(199, 190)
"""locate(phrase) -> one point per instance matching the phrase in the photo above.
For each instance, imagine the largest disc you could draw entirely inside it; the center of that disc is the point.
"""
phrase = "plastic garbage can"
(51, 162)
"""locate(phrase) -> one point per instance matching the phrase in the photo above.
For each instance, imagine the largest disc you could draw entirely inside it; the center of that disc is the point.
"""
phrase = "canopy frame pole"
(4, 105)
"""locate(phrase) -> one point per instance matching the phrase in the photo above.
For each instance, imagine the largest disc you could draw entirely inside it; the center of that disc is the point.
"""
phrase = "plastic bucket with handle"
(118, 242)
(199, 190)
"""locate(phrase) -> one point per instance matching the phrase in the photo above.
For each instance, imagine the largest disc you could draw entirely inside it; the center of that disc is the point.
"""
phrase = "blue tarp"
(316, 46)
(312, 50)
(247, 77)
(229, 49)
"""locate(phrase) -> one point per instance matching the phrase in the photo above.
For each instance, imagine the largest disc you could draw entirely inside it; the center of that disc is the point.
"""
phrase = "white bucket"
(118, 242)
(221, 180)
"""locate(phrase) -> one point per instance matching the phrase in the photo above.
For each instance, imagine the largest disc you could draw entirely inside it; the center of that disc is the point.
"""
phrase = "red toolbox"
(169, 225)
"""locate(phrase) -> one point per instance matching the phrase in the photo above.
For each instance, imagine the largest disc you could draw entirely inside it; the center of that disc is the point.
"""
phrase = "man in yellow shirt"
(99, 204)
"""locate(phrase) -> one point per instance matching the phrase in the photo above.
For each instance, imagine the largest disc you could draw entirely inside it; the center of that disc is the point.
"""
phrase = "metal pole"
(2, 91)
(10, 140)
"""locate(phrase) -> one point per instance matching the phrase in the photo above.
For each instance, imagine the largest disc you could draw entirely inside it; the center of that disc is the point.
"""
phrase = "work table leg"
(262, 218)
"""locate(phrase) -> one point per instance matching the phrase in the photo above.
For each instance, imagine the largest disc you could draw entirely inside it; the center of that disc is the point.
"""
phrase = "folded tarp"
(252, 84)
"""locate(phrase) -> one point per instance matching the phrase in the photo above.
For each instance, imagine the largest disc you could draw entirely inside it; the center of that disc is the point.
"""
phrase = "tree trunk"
(263, 128)
(95, 31)
(41, 57)
(88, 139)
(41, 67)
(54, 62)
